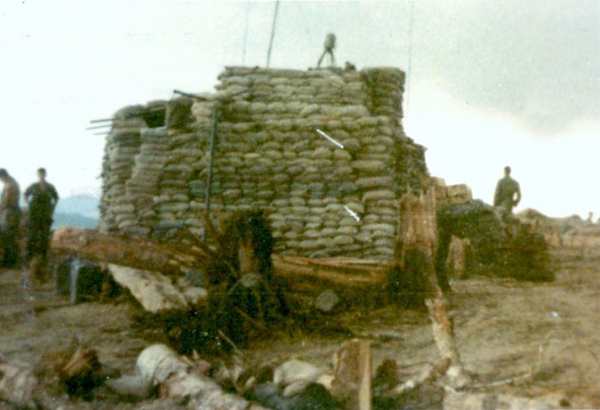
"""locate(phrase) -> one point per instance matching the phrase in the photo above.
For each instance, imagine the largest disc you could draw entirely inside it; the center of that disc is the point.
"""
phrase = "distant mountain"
(79, 204)
(74, 220)
(78, 211)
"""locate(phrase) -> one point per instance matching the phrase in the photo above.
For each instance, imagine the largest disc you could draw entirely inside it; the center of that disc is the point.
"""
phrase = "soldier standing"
(508, 194)
(42, 199)
(10, 217)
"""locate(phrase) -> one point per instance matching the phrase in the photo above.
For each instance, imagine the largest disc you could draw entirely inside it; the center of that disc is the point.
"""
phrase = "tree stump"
(417, 245)
(352, 375)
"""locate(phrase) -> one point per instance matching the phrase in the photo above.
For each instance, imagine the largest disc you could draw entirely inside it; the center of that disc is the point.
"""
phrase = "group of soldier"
(42, 199)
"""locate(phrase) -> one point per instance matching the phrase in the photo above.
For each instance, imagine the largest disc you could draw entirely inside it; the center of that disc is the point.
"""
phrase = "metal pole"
(211, 157)
(96, 127)
(246, 33)
(102, 120)
(272, 33)
(410, 44)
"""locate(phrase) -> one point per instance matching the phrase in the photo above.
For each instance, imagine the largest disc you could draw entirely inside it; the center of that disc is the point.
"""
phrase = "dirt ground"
(544, 337)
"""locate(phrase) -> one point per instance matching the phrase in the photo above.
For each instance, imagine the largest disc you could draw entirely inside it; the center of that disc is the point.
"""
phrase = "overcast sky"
(490, 82)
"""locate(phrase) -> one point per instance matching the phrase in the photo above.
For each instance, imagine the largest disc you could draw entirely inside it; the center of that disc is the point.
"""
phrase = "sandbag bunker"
(322, 151)
(276, 203)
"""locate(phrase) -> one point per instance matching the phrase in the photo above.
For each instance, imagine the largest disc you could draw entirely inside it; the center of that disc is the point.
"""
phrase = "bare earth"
(531, 340)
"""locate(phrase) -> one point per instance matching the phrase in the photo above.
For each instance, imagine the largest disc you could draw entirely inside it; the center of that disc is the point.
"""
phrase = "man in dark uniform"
(42, 199)
(10, 217)
(508, 194)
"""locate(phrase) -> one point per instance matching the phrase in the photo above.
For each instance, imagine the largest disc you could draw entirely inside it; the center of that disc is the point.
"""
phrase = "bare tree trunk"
(417, 238)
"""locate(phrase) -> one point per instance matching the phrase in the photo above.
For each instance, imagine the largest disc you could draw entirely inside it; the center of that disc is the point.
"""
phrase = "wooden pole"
(213, 132)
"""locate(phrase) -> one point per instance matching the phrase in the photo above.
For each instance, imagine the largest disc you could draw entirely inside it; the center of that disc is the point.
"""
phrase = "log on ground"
(123, 250)
(299, 276)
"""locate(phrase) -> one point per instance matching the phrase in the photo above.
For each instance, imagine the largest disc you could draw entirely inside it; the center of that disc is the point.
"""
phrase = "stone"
(132, 387)
(294, 371)
(327, 301)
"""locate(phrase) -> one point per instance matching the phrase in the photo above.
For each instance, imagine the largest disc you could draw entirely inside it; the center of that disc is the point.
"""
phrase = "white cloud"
(488, 79)
(467, 145)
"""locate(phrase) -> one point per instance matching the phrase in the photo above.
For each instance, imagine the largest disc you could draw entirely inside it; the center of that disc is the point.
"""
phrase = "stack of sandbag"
(295, 87)
(450, 194)
(122, 145)
(320, 150)
(146, 175)
(459, 193)
(385, 88)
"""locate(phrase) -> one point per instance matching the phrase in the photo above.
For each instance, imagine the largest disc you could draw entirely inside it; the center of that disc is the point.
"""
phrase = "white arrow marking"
(351, 212)
(329, 138)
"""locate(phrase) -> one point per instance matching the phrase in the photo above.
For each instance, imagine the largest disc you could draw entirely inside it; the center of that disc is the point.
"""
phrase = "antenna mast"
(410, 41)
(246, 33)
(272, 33)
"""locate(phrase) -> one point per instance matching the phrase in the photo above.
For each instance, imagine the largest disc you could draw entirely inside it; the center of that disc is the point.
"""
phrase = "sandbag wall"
(450, 194)
(269, 155)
